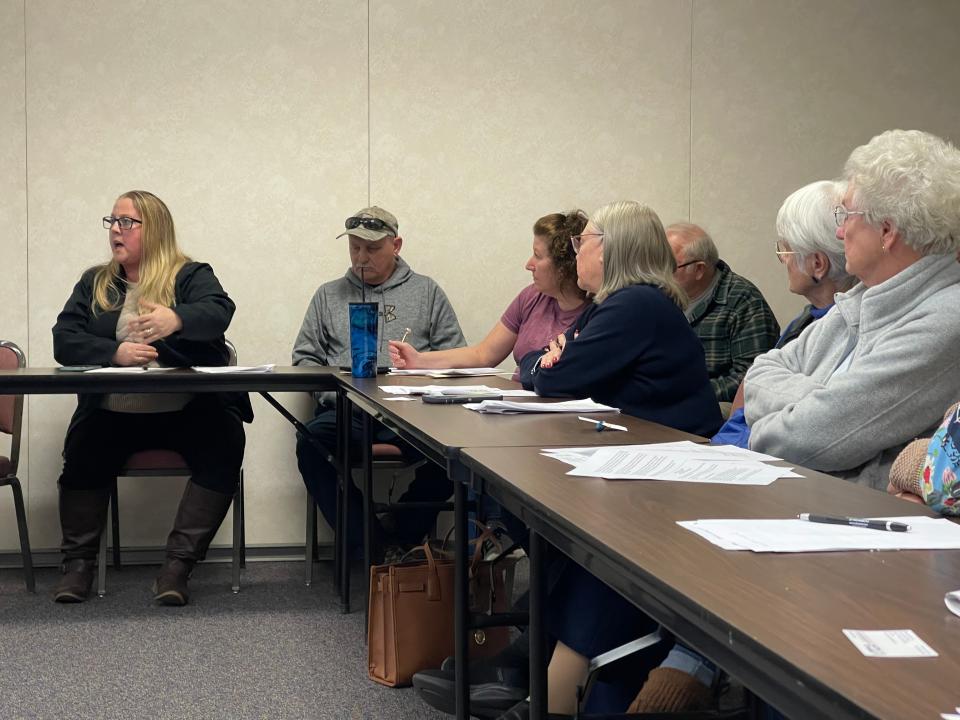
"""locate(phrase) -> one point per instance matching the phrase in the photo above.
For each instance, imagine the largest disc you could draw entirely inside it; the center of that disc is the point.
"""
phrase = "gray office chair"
(167, 463)
(11, 423)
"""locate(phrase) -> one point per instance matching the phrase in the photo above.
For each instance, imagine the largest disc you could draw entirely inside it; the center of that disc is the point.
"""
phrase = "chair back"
(232, 350)
(11, 406)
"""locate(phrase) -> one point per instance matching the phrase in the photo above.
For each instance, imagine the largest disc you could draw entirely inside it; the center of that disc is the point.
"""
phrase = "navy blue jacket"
(634, 351)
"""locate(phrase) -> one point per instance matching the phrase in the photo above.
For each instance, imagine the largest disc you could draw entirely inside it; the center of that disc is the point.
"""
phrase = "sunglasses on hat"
(369, 223)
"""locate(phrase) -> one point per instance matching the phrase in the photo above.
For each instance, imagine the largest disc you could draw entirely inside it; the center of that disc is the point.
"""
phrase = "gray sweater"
(406, 299)
(901, 336)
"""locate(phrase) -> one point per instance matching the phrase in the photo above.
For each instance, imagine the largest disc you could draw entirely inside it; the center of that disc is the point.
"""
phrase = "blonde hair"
(160, 258)
(635, 250)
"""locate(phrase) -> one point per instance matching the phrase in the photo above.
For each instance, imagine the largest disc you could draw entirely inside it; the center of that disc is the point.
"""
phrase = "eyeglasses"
(125, 223)
(577, 240)
(369, 223)
(781, 253)
(688, 262)
(840, 213)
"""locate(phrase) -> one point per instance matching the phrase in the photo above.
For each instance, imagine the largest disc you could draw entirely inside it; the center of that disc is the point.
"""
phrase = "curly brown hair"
(555, 229)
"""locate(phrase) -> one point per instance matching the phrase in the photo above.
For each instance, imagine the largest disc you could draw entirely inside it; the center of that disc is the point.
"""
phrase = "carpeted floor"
(276, 650)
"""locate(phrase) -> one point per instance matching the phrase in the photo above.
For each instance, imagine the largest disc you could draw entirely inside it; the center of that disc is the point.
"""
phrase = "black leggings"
(208, 436)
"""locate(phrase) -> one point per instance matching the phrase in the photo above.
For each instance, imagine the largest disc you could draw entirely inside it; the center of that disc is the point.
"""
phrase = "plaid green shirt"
(734, 327)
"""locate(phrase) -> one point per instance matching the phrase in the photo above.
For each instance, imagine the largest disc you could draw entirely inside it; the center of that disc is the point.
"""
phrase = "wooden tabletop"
(52, 381)
(445, 429)
(777, 617)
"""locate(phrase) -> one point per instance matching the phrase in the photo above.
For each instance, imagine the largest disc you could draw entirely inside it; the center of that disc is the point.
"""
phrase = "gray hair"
(805, 220)
(911, 178)
(698, 246)
(635, 250)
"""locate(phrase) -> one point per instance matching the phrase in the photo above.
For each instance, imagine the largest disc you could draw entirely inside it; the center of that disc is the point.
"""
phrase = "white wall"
(264, 125)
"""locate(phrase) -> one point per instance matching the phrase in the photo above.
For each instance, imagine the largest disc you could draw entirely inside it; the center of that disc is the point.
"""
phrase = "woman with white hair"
(872, 375)
(809, 249)
(812, 254)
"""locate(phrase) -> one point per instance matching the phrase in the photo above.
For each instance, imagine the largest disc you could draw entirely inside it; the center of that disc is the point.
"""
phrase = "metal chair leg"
(243, 523)
(24, 534)
(102, 562)
(310, 536)
(115, 523)
(237, 535)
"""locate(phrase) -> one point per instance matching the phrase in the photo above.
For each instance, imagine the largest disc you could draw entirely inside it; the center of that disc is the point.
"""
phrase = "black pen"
(856, 522)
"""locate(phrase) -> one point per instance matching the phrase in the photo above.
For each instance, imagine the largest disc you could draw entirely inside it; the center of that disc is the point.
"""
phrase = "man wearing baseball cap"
(411, 306)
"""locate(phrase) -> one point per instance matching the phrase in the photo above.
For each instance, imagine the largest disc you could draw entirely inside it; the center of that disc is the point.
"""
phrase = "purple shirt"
(536, 319)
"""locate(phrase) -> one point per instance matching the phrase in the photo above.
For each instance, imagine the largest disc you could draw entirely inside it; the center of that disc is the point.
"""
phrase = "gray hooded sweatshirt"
(901, 337)
(406, 299)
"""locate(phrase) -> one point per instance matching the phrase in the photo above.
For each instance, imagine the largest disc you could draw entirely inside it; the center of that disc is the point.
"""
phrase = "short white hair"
(912, 179)
(806, 222)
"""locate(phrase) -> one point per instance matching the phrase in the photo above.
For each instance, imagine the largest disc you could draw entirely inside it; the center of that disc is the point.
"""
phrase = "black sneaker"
(489, 699)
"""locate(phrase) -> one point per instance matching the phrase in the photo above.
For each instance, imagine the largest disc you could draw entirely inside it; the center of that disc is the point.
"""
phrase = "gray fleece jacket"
(406, 299)
(902, 337)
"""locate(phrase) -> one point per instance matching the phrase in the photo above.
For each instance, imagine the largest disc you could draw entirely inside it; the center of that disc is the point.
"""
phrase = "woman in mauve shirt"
(537, 315)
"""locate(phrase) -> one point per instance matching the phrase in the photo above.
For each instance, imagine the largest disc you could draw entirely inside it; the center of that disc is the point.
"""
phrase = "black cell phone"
(78, 368)
(457, 399)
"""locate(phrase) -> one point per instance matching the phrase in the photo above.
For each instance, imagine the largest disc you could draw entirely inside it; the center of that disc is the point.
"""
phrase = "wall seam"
(26, 209)
(690, 123)
(369, 141)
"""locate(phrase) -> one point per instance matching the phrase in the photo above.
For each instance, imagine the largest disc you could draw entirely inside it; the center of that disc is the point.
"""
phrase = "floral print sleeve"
(938, 479)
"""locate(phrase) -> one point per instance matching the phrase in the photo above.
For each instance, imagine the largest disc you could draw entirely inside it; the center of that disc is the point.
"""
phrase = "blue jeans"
(320, 477)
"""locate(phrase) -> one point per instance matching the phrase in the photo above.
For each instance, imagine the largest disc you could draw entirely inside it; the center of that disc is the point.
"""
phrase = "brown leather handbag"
(410, 625)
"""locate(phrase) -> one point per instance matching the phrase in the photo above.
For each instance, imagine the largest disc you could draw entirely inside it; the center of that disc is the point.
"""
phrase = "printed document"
(794, 535)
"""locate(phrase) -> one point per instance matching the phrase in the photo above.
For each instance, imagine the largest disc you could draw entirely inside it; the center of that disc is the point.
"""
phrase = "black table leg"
(459, 476)
(345, 429)
(538, 645)
(368, 519)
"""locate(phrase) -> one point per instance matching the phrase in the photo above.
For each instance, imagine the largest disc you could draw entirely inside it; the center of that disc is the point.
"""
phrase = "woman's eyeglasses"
(840, 214)
(577, 240)
(370, 224)
(125, 223)
(783, 255)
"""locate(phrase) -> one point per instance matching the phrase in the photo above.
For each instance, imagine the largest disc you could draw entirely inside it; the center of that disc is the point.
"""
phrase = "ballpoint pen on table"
(601, 424)
(890, 525)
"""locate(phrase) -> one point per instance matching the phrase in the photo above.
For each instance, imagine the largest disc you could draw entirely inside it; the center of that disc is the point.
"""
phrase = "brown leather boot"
(170, 587)
(198, 518)
(82, 516)
(74, 585)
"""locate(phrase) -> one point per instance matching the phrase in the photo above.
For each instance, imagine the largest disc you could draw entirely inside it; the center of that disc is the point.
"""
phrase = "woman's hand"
(403, 355)
(554, 350)
(157, 323)
(130, 354)
(904, 495)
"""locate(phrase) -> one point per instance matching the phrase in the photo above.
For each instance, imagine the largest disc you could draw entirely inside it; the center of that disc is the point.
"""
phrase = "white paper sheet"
(890, 643)
(638, 462)
(227, 369)
(455, 390)
(506, 407)
(449, 372)
(128, 370)
(793, 535)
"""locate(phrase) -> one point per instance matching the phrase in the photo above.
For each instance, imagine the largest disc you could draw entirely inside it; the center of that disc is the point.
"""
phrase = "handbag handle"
(486, 533)
(433, 577)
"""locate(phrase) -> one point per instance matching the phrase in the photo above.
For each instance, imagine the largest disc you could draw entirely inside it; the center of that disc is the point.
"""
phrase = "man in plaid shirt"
(727, 312)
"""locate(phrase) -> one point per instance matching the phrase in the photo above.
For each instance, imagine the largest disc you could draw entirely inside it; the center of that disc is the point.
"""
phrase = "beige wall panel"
(13, 224)
(486, 116)
(783, 91)
(250, 122)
